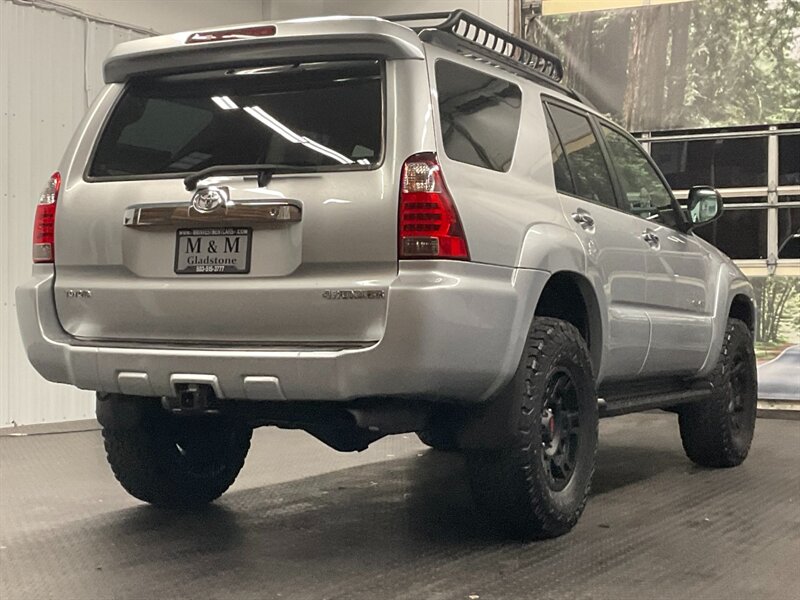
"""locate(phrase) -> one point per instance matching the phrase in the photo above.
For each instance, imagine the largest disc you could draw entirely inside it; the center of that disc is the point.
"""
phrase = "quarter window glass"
(644, 193)
(560, 167)
(586, 162)
(479, 116)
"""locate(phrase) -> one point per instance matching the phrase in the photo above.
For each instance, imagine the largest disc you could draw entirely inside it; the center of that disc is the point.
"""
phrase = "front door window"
(643, 192)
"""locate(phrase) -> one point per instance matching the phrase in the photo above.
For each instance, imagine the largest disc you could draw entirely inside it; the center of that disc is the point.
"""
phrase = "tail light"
(44, 225)
(429, 226)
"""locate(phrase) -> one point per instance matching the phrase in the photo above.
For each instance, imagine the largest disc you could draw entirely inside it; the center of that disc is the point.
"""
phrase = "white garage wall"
(168, 16)
(49, 72)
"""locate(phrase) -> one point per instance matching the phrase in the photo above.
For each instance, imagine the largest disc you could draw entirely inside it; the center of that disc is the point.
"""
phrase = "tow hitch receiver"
(191, 398)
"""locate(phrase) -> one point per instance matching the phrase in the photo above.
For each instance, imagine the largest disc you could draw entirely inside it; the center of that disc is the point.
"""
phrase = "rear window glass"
(326, 115)
(479, 116)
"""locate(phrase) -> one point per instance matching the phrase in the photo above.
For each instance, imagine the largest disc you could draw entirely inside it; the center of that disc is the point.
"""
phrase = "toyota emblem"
(209, 199)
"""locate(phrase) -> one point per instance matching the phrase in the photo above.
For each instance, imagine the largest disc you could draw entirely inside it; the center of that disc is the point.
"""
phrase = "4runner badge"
(354, 294)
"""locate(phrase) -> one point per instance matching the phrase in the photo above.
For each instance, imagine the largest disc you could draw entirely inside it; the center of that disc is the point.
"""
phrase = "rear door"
(614, 254)
(304, 259)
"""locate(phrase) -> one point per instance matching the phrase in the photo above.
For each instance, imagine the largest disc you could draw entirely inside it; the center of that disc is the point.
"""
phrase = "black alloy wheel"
(560, 429)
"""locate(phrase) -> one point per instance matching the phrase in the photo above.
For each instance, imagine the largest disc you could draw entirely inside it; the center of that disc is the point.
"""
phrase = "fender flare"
(730, 283)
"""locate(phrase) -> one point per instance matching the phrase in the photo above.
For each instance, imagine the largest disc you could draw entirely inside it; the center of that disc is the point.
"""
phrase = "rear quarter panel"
(515, 218)
(504, 214)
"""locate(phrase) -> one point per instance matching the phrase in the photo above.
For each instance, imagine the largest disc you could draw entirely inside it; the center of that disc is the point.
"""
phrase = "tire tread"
(705, 429)
(506, 485)
(133, 455)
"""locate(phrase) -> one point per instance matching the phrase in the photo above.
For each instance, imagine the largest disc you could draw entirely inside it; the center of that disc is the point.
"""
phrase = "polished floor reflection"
(396, 521)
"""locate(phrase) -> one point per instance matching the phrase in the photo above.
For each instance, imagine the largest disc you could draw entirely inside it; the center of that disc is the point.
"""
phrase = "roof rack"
(490, 41)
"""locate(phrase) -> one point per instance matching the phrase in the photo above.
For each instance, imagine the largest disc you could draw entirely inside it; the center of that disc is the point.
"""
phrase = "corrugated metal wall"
(50, 69)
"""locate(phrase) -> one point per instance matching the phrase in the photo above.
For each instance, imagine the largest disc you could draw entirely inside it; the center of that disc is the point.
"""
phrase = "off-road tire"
(174, 461)
(718, 432)
(514, 486)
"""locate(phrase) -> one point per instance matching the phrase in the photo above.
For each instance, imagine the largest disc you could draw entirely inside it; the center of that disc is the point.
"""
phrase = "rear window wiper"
(264, 172)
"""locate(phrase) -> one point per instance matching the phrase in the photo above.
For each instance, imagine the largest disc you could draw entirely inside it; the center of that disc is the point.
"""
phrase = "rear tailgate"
(128, 232)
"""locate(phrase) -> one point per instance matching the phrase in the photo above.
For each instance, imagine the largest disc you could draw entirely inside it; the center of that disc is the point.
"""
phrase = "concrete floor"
(396, 521)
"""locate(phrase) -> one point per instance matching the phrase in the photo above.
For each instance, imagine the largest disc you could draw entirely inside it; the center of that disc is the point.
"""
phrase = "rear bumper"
(454, 332)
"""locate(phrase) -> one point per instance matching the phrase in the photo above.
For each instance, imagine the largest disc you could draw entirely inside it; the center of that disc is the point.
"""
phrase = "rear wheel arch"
(743, 309)
(569, 296)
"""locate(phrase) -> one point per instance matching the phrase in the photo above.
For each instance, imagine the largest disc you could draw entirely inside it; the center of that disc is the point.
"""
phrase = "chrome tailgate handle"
(183, 213)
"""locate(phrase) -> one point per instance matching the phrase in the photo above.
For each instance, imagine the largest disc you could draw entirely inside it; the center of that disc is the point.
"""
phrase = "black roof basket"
(490, 41)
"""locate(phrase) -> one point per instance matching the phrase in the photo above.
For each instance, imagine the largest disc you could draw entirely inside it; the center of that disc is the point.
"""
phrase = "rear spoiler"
(326, 38)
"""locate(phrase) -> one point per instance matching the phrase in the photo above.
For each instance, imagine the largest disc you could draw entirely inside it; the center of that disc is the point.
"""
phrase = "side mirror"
(704, 206)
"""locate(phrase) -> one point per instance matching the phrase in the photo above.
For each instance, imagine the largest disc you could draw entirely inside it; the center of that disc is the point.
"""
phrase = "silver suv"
(358, 228)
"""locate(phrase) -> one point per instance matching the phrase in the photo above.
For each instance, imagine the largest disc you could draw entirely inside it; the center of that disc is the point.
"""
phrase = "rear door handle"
(583, 218)
(650, 237)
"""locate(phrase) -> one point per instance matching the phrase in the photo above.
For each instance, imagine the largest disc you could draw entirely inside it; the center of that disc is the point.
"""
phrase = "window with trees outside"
(757, 171)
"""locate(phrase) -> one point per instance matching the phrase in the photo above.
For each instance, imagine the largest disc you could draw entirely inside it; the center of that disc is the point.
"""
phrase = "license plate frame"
(216, 238)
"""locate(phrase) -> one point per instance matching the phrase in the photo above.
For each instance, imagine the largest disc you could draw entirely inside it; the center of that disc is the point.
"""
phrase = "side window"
(479, 115)
(560, 167)
(586, 162)
(644, 193)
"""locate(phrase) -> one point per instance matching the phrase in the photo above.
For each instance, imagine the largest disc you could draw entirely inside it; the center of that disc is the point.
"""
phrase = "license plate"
(213, 251)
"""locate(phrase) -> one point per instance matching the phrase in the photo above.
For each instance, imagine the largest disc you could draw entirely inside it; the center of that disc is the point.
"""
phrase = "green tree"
(744, 63)
(777, 306)
(696, 64)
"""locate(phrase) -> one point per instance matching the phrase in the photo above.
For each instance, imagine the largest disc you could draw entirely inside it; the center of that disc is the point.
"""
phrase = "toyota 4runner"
(358, 228)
